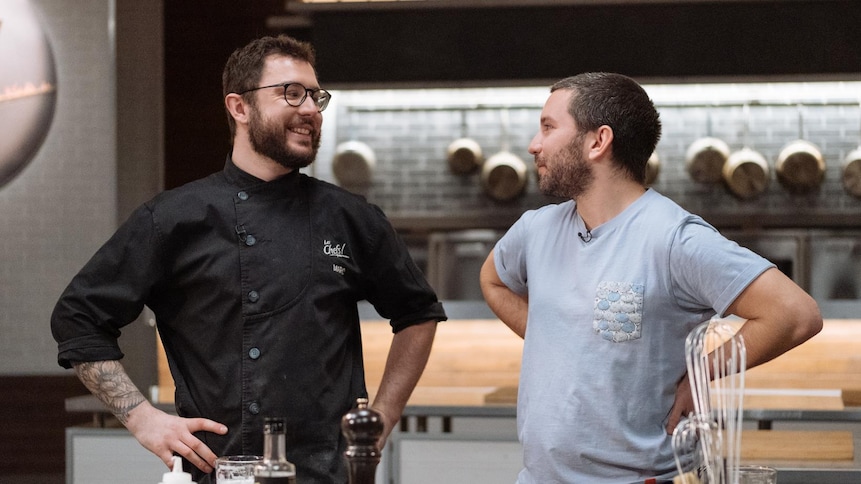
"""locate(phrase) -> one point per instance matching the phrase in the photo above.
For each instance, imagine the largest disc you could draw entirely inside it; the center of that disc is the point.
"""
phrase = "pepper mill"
(362, 428)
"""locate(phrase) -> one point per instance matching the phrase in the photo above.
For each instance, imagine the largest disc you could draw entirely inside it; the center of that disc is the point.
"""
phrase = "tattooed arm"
(162, 434)
(109, 381)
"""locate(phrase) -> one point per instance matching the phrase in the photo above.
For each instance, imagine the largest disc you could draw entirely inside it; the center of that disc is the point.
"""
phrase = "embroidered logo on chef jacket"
(618, 311)
(335, 250)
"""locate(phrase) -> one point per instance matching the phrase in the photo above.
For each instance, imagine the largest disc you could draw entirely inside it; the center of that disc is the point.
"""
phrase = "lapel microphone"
(585, 238)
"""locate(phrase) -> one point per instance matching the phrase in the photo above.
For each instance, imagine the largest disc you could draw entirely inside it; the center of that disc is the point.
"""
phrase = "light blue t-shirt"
(604, 346)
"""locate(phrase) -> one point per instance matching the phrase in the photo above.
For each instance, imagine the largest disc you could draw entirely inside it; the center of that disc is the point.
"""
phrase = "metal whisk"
(716, 363)
(695, 443)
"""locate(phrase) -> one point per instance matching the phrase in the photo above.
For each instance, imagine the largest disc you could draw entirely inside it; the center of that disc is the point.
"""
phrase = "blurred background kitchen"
(103, 103)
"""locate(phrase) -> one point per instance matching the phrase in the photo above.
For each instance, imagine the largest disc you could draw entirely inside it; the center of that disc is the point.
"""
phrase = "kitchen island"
(459, 425)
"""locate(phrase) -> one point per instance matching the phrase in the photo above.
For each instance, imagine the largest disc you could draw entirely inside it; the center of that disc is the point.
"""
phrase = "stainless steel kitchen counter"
(765, 417)
(416, 416)
(91, 404)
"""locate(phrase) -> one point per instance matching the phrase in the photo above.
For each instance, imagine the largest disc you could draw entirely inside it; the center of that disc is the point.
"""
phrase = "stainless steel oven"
(835, 265)
(786, 249)
(455, 260)
(826, 264)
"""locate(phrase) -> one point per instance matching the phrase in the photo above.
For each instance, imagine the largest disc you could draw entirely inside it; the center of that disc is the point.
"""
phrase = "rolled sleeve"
(398, 289)
(107, 294)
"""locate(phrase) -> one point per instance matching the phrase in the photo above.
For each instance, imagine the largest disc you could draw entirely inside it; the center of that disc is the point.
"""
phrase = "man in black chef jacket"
(253, 274)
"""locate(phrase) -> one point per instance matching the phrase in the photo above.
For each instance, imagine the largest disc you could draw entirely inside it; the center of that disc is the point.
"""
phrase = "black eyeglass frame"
(324, 98)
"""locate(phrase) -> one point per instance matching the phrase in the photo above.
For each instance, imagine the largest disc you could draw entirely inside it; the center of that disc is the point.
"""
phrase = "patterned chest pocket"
(618, 311)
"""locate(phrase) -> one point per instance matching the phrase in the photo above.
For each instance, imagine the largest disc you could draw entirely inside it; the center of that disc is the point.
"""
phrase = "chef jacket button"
(250, 240)
(254, 408)
(253, 296)
(254, 353)
(242, 195)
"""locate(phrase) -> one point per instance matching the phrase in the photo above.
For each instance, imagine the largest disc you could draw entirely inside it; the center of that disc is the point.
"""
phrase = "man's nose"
(534, 146)
(308, 106)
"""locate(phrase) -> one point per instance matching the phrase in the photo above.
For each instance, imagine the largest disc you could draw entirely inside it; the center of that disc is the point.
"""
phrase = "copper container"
(852, 173)
(746, 173)
(705, 158)
(503, 176)
(800, 167)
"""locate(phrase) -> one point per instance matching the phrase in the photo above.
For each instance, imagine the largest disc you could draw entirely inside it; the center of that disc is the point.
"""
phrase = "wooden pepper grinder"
(362, 428)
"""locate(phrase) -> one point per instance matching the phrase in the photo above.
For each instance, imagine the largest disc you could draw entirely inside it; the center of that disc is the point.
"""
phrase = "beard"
(567, 174)
(270, 140)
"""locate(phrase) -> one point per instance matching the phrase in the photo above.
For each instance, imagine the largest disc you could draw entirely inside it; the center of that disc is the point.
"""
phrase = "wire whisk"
(710, 438)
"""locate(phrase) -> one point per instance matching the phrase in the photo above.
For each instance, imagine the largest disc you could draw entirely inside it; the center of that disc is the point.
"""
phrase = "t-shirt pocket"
(618, 311)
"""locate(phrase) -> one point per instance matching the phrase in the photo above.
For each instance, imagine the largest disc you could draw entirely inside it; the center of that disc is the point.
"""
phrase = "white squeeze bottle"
(176, 476)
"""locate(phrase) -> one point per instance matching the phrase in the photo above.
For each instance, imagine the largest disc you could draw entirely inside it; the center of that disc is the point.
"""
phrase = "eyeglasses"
(295, 94)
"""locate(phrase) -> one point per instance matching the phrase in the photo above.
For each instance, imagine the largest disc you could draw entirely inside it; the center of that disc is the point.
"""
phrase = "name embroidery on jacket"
(335, 250)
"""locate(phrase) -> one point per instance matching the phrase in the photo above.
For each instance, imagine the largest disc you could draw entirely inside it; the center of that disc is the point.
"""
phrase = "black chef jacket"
(254, 287)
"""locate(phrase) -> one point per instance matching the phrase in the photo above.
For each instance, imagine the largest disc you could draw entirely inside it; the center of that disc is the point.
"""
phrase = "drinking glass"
(236, 469)
(757, 475)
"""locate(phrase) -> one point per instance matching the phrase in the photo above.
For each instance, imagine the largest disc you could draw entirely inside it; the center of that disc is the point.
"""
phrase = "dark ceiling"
(658, 40)
(652, 39)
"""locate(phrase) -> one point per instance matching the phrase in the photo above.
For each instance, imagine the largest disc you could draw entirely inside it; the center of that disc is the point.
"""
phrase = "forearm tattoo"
(109, 381)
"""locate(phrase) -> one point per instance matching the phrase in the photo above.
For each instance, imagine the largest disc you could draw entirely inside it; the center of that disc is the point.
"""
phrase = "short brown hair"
(245, 65)
(615, 100)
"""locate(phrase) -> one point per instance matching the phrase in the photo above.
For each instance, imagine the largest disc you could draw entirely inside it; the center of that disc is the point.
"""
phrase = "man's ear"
(600, 142)
(237, 107)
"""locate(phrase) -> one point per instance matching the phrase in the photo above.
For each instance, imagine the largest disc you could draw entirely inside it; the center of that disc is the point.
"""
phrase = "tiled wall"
(409, 131)
(57, 211)
(102, 155)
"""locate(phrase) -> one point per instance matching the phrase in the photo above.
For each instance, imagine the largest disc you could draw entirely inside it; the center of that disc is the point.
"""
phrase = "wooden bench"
(477, 362)
(483, 356)
(831, 359)
(486, 354)
(476, 357)
(473, 353)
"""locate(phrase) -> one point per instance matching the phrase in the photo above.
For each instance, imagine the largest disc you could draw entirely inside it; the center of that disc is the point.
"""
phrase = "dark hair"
(601, 98)
(245, 65)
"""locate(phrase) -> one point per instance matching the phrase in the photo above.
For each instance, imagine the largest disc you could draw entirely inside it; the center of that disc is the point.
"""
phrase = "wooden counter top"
(795, 445)
(477, 362)
(768, 399)
(483, 353)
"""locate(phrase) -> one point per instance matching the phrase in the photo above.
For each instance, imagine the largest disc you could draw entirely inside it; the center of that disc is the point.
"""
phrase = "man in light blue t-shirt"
(605, 287)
